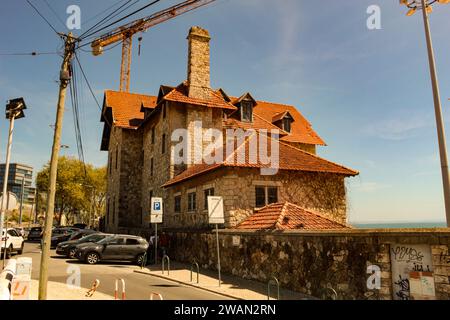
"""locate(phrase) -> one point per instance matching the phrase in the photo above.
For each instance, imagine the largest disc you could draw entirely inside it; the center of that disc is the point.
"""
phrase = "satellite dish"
(11, 201)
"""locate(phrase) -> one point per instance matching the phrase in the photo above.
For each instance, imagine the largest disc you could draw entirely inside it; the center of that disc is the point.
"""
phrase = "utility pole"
(69, 50)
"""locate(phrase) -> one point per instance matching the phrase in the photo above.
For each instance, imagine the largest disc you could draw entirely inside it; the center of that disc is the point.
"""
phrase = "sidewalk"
(232, 286)
(60, 291)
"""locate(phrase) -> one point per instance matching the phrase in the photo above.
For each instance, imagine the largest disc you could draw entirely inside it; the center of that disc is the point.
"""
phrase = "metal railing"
(330, 292)
(198, 270)
(154, 294)
(116, 291)
(166, 257)
(144, 261)
(275, 281)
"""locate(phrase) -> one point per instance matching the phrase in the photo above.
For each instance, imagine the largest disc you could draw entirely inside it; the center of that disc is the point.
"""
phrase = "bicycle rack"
(273, 280)
(116, 291)
(166, 257)
(94, 287)
(334, 294)
(198, 270)
(144, 261)
(157, 295)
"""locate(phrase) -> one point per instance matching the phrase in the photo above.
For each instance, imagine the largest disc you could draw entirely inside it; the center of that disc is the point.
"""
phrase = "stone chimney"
(198, 63)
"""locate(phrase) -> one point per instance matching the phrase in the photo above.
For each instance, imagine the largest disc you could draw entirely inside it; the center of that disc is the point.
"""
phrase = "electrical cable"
(109, 17)
(55, 14)
(123, 18)
(45, 19)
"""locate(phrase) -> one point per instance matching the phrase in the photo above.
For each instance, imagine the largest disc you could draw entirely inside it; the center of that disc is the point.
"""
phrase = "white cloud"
(399, 127)
(369, 187)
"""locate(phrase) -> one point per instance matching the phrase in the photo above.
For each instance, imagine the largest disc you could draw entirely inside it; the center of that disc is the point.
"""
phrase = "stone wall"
(321, 192)
(113, 182)
(308, 262)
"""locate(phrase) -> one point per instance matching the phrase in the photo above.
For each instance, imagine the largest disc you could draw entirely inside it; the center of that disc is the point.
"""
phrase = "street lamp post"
(426, 7)
(14, 110)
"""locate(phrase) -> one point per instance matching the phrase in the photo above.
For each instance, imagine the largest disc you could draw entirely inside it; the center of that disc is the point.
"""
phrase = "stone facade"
(322, 192)
(198, 63)
(309, 262)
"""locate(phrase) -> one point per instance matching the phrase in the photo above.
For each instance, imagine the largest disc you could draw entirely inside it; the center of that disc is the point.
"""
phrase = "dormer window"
(246, 111)
(287, 124)
(283, 120)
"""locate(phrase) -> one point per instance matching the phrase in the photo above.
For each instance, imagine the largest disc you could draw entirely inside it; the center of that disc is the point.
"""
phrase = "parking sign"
(156, 212)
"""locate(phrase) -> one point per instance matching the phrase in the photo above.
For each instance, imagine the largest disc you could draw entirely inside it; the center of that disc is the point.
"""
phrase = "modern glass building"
(18, 174)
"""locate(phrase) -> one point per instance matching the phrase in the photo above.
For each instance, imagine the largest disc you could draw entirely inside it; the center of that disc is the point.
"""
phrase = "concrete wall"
(308, 262)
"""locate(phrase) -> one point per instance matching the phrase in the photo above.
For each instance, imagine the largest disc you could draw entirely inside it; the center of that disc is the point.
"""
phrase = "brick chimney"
(198, 63)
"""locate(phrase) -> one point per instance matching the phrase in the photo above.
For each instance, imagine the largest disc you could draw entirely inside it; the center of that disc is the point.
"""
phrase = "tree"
(80, 189)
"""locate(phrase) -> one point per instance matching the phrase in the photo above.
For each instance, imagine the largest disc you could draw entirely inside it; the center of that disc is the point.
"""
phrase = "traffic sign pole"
(156, 243)
(218, 252)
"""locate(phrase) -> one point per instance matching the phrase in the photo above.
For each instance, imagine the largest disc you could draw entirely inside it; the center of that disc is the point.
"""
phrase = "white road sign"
(156, 212)
(215, 210)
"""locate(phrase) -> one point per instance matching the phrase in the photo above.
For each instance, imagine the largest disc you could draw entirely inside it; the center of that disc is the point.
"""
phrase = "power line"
(55, 14)
(109, 17)
(34, 53)
(95, 99)
(123, 18)
(45, 19)
(103, 11)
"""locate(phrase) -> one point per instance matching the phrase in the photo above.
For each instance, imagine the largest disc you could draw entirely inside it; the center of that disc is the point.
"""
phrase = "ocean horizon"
(400, 225)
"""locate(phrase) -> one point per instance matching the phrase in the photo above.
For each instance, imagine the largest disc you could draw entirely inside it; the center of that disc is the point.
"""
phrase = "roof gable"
(288, 216)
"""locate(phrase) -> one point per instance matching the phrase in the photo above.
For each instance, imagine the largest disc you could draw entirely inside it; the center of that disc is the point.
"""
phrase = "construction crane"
(126, 32)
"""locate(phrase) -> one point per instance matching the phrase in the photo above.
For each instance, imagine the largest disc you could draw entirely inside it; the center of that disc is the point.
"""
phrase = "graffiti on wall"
(406, 259)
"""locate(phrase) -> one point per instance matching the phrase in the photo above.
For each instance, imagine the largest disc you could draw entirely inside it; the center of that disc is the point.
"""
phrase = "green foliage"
(79, 189)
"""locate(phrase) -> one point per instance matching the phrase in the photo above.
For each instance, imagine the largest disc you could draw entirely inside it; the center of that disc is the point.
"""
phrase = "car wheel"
(20, 251)
(92, 257)
(9, 252)
(72, 253)
(140, 259)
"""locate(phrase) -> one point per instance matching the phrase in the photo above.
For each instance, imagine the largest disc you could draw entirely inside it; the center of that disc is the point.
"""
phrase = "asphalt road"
(138, 286)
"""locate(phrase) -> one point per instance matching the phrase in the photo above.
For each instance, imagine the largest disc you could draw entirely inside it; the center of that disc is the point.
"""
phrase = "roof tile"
(288, 216)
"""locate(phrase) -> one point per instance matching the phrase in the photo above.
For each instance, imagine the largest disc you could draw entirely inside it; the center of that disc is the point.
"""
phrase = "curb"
(189, 284)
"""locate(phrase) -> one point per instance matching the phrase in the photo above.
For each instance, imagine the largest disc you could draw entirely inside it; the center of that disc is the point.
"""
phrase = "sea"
(400, 225)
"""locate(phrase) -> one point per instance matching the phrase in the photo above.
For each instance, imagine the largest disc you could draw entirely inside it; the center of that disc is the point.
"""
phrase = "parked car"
(20, 231)
(61, 234)
(68, 248)
(12, 241)
(35, 234)
(117, 247)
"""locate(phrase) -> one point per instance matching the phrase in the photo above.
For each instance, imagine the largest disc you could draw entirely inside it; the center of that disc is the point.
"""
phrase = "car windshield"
(36, 229)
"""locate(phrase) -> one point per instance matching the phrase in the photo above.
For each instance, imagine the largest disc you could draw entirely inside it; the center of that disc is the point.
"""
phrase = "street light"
(14, 110)
(414, 6)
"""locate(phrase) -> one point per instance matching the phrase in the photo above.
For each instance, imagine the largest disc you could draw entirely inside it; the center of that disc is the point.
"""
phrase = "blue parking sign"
(157, 206)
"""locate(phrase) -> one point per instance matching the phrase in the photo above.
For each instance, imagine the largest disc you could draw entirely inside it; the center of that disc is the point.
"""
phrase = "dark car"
(80, 225)
(68, 248)
(35, 234)
(117, 247)
(61, 234)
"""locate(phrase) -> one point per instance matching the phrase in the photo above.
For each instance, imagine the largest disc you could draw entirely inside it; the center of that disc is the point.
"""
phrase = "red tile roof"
(180, 94)
(290, 158)
(288, 216)
(257, 124)
(301, 129)
(126, 107)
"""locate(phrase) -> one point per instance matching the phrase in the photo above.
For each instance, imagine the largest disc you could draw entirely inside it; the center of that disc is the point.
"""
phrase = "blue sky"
(366, 92)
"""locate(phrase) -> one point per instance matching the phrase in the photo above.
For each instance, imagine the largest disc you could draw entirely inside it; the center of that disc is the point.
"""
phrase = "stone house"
(161, 146)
